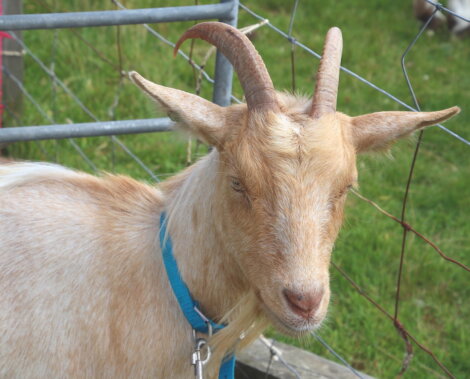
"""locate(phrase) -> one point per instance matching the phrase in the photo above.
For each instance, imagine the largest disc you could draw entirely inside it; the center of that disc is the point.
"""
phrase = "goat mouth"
(288, 328)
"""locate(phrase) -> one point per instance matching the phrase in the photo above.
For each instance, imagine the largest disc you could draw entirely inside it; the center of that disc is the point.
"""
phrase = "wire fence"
(50, 151)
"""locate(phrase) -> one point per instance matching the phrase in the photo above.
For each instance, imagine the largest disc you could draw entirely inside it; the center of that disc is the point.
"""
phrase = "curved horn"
(326, 89)
(238, 49)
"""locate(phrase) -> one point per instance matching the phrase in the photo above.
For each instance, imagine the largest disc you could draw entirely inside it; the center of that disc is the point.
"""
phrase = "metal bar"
(87, 129)
(223, 68)
(224, 10)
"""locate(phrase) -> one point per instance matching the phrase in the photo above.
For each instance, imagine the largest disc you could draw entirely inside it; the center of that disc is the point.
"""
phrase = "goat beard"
(246, 321)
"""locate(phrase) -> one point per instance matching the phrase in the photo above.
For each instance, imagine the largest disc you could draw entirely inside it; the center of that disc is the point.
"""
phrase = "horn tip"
(193, 32)
(335, 32)
(178, 44)
(453, 110)
(134, 76)
(138, 80)
(456, 109)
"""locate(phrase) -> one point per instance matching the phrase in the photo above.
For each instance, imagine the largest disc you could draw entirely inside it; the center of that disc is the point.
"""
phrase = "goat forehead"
(293, 147)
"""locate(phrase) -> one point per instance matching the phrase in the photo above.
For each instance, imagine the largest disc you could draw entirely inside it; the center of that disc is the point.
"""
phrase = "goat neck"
(211, 274)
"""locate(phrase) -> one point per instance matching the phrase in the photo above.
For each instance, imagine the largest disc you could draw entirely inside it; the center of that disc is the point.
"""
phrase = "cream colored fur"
(83, 292)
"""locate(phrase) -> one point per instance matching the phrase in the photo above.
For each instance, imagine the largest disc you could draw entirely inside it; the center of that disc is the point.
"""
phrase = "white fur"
(21, 173)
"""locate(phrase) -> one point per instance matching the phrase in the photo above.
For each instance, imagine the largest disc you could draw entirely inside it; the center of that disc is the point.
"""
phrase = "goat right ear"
(203, 119)
(375, 131)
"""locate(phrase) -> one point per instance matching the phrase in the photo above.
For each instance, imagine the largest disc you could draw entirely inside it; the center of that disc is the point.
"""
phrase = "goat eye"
(236, 185)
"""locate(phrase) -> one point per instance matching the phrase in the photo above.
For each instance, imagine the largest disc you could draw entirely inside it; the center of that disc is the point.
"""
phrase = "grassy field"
(434, 304)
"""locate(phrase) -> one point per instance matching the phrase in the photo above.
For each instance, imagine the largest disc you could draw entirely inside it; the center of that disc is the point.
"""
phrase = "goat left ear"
(377, 130)
(198, 116)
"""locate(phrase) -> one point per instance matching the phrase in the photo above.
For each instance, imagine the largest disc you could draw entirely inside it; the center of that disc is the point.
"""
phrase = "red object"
(1, 68)
(2, 36)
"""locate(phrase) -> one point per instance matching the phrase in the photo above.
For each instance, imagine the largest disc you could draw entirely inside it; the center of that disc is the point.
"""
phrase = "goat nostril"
(303, 303)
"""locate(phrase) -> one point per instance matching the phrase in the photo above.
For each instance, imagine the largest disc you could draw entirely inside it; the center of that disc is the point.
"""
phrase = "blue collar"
(188, 305)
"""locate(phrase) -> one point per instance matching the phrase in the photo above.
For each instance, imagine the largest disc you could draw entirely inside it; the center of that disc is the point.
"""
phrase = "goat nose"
(304, 304)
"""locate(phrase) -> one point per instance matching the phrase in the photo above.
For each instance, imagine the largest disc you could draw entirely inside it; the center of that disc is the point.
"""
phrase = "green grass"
(433, 306)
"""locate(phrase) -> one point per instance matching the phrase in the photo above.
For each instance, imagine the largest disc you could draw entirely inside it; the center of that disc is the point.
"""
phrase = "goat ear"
(201, 118)
(377, 130)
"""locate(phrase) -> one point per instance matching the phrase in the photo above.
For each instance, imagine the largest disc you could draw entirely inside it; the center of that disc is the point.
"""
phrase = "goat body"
(83, 291)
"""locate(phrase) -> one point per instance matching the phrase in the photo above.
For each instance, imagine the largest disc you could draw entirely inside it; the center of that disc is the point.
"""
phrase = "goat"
(423, 10)
(83, 289)
(456, 24)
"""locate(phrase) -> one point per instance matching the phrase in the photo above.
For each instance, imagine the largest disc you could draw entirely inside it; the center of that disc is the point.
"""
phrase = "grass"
(433, 305)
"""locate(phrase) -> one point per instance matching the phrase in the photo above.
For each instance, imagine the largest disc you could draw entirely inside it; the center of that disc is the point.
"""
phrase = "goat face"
(284, 167)
(284, 182)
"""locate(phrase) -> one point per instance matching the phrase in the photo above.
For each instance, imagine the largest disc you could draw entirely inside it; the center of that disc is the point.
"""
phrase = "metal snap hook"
(197, 360)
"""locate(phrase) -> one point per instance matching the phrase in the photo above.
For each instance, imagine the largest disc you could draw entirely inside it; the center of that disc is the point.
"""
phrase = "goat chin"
(294, 327)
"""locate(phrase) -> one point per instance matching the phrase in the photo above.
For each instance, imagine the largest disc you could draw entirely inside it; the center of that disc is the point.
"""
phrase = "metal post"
(223, 68)
(13, 62)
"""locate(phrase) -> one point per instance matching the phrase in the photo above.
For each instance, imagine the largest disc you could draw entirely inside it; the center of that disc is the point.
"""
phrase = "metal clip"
(206, 320)
(196, 359)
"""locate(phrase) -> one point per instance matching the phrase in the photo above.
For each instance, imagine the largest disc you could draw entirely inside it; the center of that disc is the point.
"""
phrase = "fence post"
(223, 68)
(12, 55)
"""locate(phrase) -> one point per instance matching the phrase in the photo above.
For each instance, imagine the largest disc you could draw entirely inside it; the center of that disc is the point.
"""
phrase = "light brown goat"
(83, 292)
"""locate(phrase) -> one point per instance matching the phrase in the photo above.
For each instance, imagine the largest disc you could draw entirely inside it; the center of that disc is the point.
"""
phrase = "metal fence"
(225, 11)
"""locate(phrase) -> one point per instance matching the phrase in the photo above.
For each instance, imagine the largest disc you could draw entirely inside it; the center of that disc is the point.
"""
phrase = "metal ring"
(200, 344)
